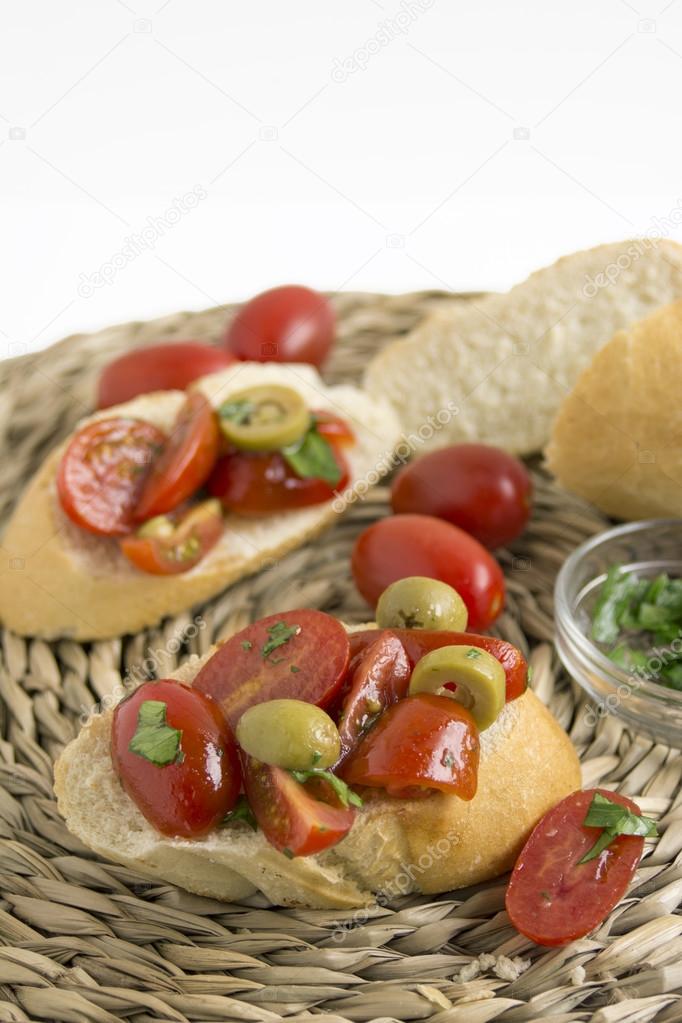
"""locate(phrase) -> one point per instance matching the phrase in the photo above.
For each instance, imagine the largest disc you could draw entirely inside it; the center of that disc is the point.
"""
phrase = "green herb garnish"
(615, 820)
(238, 412)
(473, 653)
(155, 740)
(279, 634)
(313, 458)
(346, 795)
(294, 668)
(246, 644)
(241, 812)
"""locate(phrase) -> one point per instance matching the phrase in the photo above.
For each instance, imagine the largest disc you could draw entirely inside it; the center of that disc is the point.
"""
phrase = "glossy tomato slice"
(291, 818)
(426, 740)
(167, 366)
(250, 483)
(301, 655)
(103, 470)
(552, 898)
(291, 323)
(381, 677)
(334, 428)
(180, 548)
(188, 796)
(418, 642)
(186, 461)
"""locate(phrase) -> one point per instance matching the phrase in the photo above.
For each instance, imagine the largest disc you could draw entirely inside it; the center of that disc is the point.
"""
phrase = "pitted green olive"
(479, 679)
(417, 602)
(289, 733)
(264, 418)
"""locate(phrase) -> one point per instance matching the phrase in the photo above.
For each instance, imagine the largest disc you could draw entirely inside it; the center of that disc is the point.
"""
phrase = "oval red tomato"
(168, 366)
(103, 470)
(301, 655)
(286, 324)
(191, 538)
(552, 898)
(405, 545)
(189, 795)
(481, 489)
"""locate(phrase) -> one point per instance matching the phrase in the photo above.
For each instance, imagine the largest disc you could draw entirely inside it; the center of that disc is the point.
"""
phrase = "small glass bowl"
(647, 548)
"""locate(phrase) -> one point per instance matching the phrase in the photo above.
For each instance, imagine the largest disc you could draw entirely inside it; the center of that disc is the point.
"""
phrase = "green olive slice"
(418, 602)
(479, 678)
(292, 734)
(264, 418)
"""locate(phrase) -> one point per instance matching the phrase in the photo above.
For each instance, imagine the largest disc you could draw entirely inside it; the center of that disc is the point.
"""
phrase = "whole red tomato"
(405, 545)
(286, 324)
(171, 365)
(481, 489)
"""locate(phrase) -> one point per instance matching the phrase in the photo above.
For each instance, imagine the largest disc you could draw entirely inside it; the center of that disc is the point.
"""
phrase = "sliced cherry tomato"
(286, 324)
(405, 545)
(292, 819)
(179, 547)
(186, 461)
(188, 796)
(250, 483)
(103, 470)
(552, 898)
(426, 740)
(168, 366)
(301, 655)
(418, 642)
(481, 489)
(380, 678)
(334, 428)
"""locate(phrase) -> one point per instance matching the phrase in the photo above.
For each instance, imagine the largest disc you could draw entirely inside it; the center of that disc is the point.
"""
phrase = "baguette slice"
(395, 847)
(617, 439)
(58, 580)
(504, 362)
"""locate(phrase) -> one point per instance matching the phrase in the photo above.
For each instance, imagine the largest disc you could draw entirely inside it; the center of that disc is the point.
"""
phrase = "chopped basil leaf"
(279, 633)
(346, 795)
(246, 644)
(294, 668)
(473, 653)
(154, 739)
(288, 853)
(615, 820)
(241, 812)
(236, 411)
(313, 458)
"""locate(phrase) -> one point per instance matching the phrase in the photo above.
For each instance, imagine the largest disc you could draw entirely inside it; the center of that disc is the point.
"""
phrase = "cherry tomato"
(186, 461)
(404, 545)
(103, 470)
(426, 740)
(250, 483)
(481, 489)
(552, 898)
(301, 655)
(179, 548)
(292, 818)
(186, 797)
(286, 324)
(381, 677)
(418, 642)
(168, 366)
(334, 428)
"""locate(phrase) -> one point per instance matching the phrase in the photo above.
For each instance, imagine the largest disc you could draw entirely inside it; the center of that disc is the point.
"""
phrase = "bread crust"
(395, 846)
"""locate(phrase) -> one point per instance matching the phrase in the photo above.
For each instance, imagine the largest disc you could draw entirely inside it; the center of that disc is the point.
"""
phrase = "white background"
(369, 144)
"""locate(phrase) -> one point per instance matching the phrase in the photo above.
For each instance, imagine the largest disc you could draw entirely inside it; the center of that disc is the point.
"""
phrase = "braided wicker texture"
(86, 941)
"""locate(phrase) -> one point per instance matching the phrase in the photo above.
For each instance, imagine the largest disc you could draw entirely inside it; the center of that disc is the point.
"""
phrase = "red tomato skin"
(290, 817)
(479, 488)
(334, 428)
(418, 642)
(181, 799)
(186, 461)
(381, 677)
(253, 484)
(290, 323)
(551, 898)
(409, 744)
(238, 675)
(169, 366)
(155, 556)
(103, 470)
(405, 545)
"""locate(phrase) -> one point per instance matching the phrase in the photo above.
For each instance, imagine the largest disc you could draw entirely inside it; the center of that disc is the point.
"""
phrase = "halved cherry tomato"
(405, 545)
(168, 366)
(426, 740)
(552, 898)
(291, 818)
(181, 546)
(418, 642)
(286, 324)
(186, 461)
(103, 470)
(250, 483)
(188, 796)
(334, 428)
(301, 655)
(380, 678)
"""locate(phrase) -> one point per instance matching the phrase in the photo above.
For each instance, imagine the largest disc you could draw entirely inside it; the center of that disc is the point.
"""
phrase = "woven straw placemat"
(84, 940)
